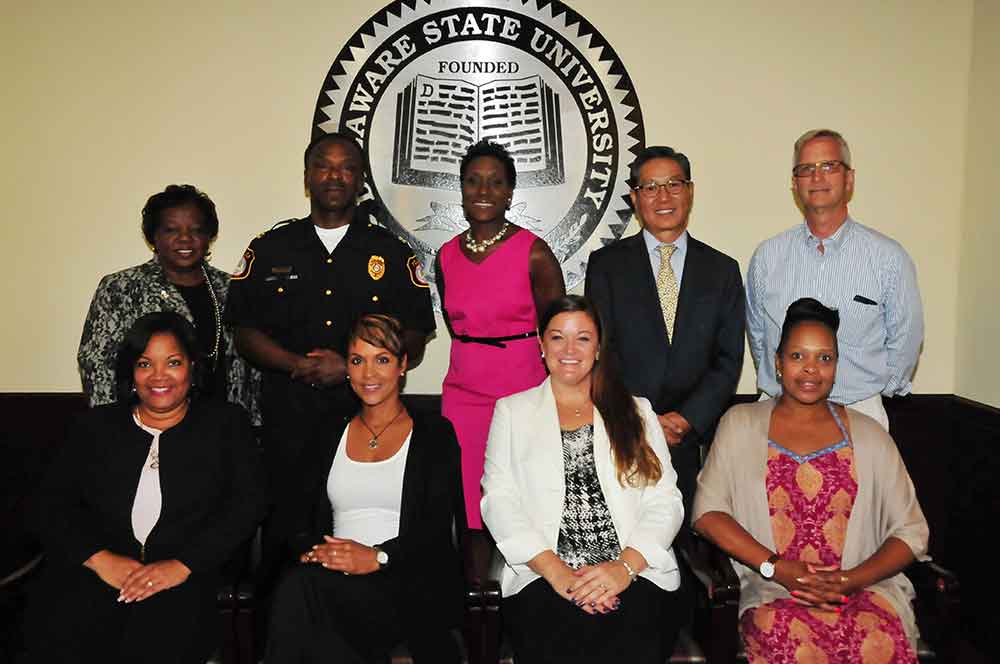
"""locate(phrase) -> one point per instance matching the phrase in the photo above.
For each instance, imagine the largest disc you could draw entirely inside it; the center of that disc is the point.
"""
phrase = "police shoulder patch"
(416, 271)
(245, 265)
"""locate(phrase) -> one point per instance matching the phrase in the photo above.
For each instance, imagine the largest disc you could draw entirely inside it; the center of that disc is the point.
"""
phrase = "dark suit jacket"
(424, 556)
(696, 373)
(210, 478)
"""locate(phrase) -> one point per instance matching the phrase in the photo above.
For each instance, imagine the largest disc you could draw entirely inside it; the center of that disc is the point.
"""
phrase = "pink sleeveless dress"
(810, 500)
(490, 299)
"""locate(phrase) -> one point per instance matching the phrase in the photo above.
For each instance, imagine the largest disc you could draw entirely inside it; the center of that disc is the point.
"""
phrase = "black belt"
(495, 341)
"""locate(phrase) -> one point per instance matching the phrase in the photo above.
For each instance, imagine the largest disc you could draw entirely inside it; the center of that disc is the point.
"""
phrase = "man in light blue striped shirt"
(867, 276)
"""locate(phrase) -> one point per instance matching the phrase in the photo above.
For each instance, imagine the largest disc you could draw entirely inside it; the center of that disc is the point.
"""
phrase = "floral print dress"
(810, 500)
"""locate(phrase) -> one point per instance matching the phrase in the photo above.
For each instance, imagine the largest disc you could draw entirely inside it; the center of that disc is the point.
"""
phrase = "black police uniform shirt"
(289, 287)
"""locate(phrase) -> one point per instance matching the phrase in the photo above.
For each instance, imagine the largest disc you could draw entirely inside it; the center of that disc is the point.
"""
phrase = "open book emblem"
(438, 119)
(420, 82)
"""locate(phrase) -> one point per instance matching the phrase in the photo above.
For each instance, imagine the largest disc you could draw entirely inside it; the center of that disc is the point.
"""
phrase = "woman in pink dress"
(494, 280)
(814, 501)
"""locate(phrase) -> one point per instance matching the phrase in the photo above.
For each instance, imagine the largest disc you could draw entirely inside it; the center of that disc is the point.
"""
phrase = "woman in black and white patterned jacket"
(179, 224)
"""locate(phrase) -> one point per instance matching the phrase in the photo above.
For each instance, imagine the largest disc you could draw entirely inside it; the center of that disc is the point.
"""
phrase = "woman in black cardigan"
(375, 525)
(146, 501)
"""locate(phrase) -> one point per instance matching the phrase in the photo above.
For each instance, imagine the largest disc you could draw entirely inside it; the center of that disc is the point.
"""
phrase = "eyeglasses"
(674, 187)
(825, 167)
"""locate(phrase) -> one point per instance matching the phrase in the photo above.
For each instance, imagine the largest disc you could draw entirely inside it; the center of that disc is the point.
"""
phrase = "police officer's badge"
(376, 267)
(243, 269)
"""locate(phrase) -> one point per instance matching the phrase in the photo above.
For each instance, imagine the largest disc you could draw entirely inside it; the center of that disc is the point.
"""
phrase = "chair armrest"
(477, 551)
(935, 579)
(713, 569)
(481, 624)
(937, 607)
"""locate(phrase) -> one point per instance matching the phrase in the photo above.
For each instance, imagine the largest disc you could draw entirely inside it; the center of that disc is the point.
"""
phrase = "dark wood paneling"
(951, 447)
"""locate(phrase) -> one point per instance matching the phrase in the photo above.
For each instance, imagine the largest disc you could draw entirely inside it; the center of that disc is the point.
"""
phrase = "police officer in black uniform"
(293, 302)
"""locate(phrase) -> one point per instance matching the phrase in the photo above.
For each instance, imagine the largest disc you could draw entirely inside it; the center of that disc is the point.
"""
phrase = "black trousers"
(73, 616)
(544, 628)
(319, 615)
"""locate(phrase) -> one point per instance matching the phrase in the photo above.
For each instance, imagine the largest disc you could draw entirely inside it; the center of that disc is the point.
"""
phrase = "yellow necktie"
(666, 287)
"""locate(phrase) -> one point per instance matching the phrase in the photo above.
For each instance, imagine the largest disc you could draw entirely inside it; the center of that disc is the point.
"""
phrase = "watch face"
(767, 569)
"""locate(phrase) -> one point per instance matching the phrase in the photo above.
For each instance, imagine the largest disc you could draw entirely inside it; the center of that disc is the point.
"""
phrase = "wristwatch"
(381, 557)
(767, 567)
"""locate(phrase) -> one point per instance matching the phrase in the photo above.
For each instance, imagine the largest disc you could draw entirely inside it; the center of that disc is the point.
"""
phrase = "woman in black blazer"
(375, 525)
(147, 500)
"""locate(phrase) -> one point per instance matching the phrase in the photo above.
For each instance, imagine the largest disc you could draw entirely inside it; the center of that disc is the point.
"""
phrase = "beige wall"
(106, 105)
(977, 361)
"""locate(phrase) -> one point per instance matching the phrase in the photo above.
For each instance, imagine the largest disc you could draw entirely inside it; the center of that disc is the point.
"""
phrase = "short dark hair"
(175, 196)
(651, 152)
(808, 310)
(486, 148)
(339, 137)
(137, 338)
(381, 331)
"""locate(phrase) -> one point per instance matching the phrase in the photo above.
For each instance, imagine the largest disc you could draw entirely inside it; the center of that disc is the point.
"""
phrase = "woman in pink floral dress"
(814, 501)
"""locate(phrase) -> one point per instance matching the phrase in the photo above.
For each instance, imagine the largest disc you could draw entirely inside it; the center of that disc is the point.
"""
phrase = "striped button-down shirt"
(868, 277)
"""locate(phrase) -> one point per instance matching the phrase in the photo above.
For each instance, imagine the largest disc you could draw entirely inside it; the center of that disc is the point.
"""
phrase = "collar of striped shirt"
(832, 243)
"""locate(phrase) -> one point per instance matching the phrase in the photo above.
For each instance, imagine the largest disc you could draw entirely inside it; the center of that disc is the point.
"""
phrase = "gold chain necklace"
(373, 443)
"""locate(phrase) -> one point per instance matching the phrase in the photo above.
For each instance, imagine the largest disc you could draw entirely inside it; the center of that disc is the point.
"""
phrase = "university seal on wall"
(424, 79)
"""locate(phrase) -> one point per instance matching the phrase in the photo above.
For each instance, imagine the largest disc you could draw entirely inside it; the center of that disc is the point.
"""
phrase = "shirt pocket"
(862, 324)
(283, 299)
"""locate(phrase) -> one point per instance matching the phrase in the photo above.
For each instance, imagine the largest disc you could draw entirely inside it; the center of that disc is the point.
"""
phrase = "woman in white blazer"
(580, 495)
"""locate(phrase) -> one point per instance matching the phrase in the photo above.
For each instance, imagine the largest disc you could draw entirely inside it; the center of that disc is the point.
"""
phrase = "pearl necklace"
(479, 246)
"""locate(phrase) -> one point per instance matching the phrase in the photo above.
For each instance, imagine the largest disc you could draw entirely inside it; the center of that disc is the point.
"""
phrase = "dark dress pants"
(73, 616)
(547, 629)
(320, 616)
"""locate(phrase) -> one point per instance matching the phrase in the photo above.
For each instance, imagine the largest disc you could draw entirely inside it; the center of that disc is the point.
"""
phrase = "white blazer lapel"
(545, 434)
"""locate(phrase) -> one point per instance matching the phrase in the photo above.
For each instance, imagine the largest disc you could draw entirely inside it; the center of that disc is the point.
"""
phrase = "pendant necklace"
(373, 443)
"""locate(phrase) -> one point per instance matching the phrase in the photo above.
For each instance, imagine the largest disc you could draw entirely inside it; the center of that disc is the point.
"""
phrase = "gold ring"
(843, 579)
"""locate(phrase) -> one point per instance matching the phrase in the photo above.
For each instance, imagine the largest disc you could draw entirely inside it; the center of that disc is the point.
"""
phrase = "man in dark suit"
(673, 311)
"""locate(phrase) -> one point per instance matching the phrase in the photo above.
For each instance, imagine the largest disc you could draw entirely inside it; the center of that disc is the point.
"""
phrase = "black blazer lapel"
(315, 464)
(412, 493)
